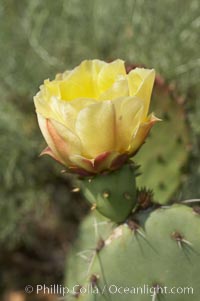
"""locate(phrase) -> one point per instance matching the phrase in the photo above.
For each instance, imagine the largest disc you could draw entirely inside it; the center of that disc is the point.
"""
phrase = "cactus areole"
(113, 194)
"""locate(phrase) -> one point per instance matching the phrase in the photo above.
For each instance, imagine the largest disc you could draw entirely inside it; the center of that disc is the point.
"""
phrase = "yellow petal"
(109, 74)
(95, 127)
(82, 81)
(45, 132)
(52, 88)
(141, 84)
(82, 163)
(80, 103)
(129, 112)
(118, 89)
(61, 140)
(139, 138)
(71, 144)
(57, 110)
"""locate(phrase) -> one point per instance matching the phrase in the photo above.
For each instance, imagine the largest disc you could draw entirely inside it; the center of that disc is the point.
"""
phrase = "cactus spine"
(150, 256)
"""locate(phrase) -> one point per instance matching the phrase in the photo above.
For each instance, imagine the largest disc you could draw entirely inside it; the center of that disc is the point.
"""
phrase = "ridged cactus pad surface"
(154, 250)
(166, 150)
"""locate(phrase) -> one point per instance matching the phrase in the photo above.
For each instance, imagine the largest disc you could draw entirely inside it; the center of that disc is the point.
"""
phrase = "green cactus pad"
(112, 194)
(166, 150)
(158, 248)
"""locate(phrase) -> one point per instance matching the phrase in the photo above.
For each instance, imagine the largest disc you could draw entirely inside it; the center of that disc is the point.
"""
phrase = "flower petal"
(109, 74)
(142, 133)
(82, 81)
(141, 82)
(48, 151)
(57, 110)
(129, 113)
(95, 127)
(82, 163)
(118, 89)
(61, 140)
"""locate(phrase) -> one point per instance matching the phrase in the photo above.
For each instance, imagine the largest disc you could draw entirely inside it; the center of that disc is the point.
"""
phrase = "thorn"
(132, 225)
(94, 206)
(161, 159)
(141, 233)
(157, 288)
(196, 210)
(135, 228)
(191, 201)
(179, 140)
(94, 279)
(177, 236)
(187, 242)
(106, 194)
(154, 297)
(91, 262)
(75, 189)
(166, 116)
(78, 291)
(100, 245)
(84, 257)
(180, 239)
(162, 186)
(179, 244)
(127, 195)
(145, 198)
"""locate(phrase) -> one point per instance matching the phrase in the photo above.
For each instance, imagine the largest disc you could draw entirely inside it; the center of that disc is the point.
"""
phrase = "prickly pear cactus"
(113, 194)
(167, 148)
(154, 255)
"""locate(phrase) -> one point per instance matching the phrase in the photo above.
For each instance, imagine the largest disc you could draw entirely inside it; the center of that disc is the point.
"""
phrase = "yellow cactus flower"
(95, 116)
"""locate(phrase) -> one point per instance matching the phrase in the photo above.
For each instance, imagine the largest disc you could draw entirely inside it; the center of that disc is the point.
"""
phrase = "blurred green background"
(38, 213)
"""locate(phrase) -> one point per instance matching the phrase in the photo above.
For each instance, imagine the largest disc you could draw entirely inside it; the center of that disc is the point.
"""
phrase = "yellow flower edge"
(95, 116)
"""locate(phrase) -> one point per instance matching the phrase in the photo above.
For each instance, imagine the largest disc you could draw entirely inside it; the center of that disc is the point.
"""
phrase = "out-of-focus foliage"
(40, 38)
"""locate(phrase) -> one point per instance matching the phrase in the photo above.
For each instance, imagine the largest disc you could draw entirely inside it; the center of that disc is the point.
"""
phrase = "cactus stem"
(116, 233)
(104, 279)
